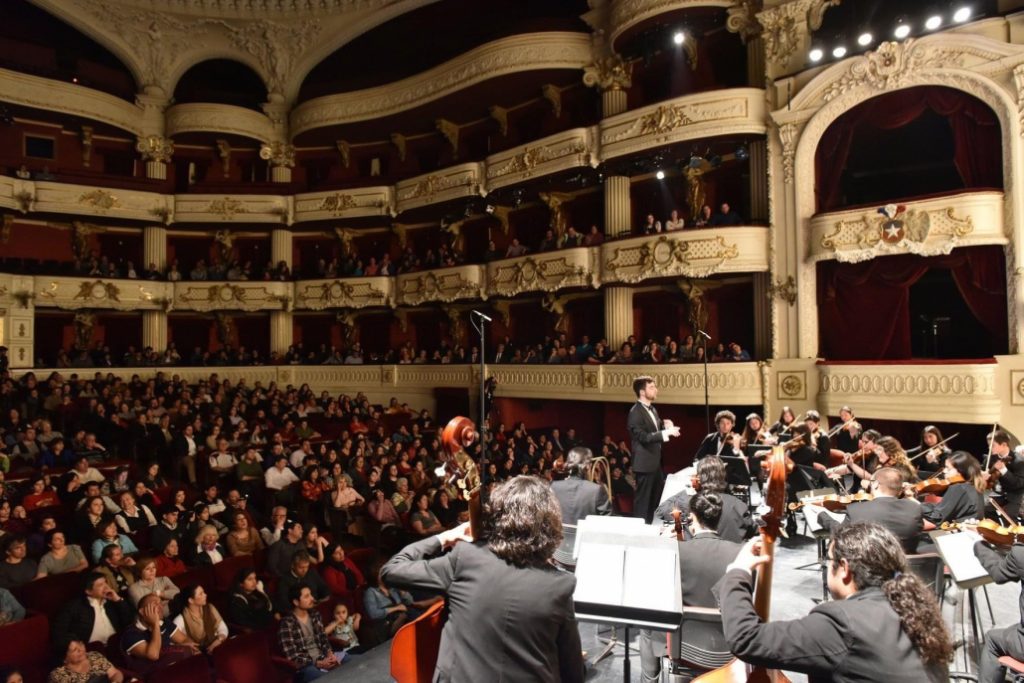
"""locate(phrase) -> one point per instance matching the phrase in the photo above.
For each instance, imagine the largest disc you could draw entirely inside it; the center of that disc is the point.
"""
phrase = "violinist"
(900, 516)
(510, 611)
(860, 463)
(703, 558)
(933, 454)
(811, 462)
(963, 500)
(785, 422)
(735, 522)
(754, 432)
(848, 432)
(725, 443)
(577, 496)
(884, 624)
(818, 439)
(1008, 471)
(1000, 642)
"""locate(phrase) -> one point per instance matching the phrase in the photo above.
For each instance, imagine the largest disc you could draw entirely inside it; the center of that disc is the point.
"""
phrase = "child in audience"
(343, 629)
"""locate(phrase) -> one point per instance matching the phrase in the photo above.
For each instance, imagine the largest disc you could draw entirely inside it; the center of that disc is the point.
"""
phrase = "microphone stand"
(704, 337)
(480, 325)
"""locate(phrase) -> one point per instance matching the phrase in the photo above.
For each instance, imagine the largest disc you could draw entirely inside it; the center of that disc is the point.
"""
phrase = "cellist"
(884, 624)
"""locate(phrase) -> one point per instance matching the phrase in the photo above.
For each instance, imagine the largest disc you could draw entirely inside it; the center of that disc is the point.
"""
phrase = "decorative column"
(759, 180)
(281, 246)
(154, 246)
(282, 331)
(281, 156)
(618, 315)
(154, 330)
(156, 151)
(763, 295)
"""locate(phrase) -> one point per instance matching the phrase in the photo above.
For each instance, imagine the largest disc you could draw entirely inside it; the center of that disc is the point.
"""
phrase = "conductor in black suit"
(702, 562)
(899, 515)
(647, 432)
(511, 614)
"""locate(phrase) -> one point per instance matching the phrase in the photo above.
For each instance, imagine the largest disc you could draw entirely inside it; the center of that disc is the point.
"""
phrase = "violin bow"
(988, 458)
(1002, 512)
(941, 443)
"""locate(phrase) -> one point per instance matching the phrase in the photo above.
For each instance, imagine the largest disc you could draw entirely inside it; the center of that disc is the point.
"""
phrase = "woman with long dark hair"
(249, 606)
(510, 611)
(884, 623)
(199, 620)
(965, 500)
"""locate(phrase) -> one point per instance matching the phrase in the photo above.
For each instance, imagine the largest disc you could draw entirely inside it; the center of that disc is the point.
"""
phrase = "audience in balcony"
(650, 226)
(726, 216)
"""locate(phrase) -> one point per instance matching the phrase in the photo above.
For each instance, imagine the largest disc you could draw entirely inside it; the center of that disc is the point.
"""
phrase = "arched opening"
(909, 143)
(221, 81)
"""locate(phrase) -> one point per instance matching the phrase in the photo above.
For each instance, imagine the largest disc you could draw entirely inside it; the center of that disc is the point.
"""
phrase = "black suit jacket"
(76, 620)
(579, 498)
(1004, 569)
(960, 501)
(901, 517)
(505, 623)
(736, 524)
(1011, 483)
(702, 561)
(857, 639)
(644, 439)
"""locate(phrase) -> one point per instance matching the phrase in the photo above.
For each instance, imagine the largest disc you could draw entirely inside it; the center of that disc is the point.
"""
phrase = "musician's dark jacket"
(1012, 484)
(900, 516)
(961, 501)
(1004, 569)
(856, 639)
(578, 498)
(712, 445)
(506, 623)
(736, 524)
(645, 439)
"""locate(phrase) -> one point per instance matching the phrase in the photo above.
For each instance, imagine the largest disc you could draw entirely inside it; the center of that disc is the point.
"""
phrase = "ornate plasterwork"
(450, 183)
(444, 285)
(75, 294)
(99, 199)
(668, 256)
(524, 52)
(364, 201)
(608, 73)
(155, 148)
(788, 137)
(628, 13)
(783, 26)
(543, 272)
(276, 46)
(888, 67)
(571, 149)
(925, 233)
(742, 19)
(225, 296)
(349, 293)
(784, 290)
(226, 208)
(98, 291)
(279, 154)
(218, 118)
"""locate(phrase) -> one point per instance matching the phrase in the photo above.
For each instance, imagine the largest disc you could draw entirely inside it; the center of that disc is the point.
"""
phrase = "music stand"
(957, 551)
(627, 574)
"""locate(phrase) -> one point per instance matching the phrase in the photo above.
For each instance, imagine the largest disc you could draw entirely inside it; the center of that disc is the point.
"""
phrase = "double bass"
(461, 472)
(775, 500)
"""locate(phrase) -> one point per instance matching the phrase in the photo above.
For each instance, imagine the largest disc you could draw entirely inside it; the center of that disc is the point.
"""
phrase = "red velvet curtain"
(976, 134)
(864, 308)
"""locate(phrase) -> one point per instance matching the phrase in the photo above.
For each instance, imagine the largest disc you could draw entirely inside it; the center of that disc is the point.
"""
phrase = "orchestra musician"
(934, 455)
(703, 558)
(735, 522)
(755, 433)
(1009, 472)
(888, 509)
(860, 463)
(723, 442)
(848, 432)
(647, 432)
(510, 611)
(578, 497)
(1000, 642)
(785, 422)
(965, 500)
(811, 462)
(884, 624)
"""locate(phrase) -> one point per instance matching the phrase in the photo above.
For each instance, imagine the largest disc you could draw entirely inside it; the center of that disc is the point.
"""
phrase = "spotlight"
(679, 38)
(933, 22)
(865, 39)
(741, 153)
(962, 15)
(902, 31)
(816, 54)
(839, 52)
(660, 175)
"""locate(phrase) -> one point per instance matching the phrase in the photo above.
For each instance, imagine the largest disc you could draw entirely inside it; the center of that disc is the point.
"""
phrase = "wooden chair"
(414, 647)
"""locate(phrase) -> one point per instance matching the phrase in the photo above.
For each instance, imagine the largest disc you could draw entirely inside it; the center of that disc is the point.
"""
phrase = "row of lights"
(901, 31)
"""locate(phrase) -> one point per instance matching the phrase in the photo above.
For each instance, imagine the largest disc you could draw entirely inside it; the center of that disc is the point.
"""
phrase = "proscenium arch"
(981, 87)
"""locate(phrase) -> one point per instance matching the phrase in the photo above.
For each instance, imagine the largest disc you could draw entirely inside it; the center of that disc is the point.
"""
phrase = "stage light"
(660, 175)
(816, 54)
(933, 22)
(865, 39)
(679, 38)
(962, 15)
(902, 31)
(839, 52)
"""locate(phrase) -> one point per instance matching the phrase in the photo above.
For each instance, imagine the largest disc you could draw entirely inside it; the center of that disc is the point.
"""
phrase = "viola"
(937, 485)
(990, 530)
(834, 502)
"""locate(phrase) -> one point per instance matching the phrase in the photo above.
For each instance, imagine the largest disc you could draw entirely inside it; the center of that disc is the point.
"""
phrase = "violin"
(937, 484)
(834, 502)
(460, 471)
(737, 670)
(990, 530)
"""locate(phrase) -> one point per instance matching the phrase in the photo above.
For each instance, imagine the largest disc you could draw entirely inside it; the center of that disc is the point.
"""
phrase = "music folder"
(628, 574)
(957, 551)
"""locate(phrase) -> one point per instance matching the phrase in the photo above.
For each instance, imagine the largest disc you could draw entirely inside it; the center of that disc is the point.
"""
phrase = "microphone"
(704, 334)
(485, 317)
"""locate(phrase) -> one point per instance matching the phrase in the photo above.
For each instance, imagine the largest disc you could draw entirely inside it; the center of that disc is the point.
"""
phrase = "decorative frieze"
(232, 296)
(361, 292)
(218, 118)
(352, 203)
(50, 197)
(570, 149)
(545, 272)
(199, 208)
(454, 182)
(73, 293)
(690, 253)
(442, 285)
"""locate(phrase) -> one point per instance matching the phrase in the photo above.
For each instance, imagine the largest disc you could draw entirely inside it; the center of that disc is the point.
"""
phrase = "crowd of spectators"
(175, 517)
(554, 350)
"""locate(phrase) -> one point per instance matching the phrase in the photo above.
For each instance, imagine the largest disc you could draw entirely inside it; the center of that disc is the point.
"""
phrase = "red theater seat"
(414, 647)
(246, 659)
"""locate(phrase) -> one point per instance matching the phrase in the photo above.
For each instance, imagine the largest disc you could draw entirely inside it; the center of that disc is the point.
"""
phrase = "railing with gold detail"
(544, 272)
(688, 253)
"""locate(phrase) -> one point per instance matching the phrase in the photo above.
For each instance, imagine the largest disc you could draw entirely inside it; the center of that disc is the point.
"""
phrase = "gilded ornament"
(784, 290)
(99, 199)
(791, 386)
(889, 67)
(226, 208)
(279, 154)
(98, 291)
(337, 203)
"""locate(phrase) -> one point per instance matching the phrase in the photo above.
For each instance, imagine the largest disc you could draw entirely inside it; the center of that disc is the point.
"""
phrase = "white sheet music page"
(648, 572)
(958, 552)
(599, 574)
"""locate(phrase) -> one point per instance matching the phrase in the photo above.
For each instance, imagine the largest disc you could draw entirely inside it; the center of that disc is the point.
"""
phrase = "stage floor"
(792, 596)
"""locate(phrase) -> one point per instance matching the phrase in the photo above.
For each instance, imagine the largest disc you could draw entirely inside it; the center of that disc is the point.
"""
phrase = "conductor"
(647, 432)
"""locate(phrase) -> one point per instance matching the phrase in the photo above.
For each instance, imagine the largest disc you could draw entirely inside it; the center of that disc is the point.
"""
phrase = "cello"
(461, 473)
(775, 500)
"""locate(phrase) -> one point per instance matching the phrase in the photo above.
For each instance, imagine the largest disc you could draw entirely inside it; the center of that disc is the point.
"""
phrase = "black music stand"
(627, 575)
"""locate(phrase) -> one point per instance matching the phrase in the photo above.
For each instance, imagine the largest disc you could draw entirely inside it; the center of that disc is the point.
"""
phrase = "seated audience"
(248, 605)
(198, 620)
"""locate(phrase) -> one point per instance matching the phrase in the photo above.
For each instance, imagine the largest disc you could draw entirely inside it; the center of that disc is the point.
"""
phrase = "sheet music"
(957, 551)
(647, 571)
(677, 482)
(811, 513)
(599, 574)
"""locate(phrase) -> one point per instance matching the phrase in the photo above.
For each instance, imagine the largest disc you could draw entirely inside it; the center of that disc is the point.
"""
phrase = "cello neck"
(763, 587)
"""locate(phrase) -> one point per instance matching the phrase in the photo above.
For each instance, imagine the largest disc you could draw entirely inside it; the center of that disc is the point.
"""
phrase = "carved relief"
(923, 232)
(226, 208)
(352, 293)
(98, 291)
(530, 158)
(891, 64)
(279, 154)
(666, 256)
(450, 131)
(155, 148)
(788, 137)
(784, 290)
(225, 296)
(537, 273)
(337, 203)
(438, 286)
(99, 199)
(608, 73)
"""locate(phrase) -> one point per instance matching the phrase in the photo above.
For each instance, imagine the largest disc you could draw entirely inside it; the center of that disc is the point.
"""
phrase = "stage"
(793, 595)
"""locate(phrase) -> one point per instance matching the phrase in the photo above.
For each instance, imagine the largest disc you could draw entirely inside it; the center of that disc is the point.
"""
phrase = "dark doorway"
(942, 326)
